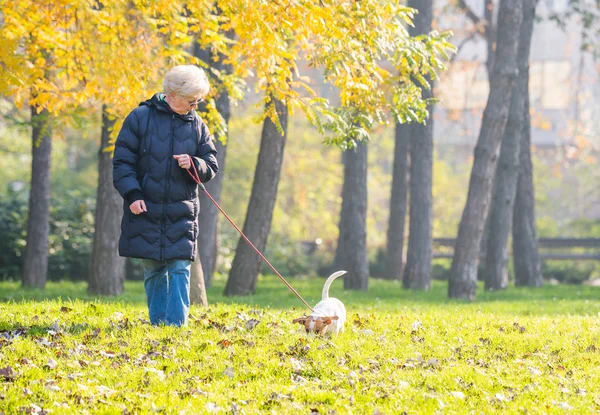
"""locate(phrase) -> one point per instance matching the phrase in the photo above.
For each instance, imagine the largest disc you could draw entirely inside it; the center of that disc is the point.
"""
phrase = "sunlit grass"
(508, 352)
(382, 295)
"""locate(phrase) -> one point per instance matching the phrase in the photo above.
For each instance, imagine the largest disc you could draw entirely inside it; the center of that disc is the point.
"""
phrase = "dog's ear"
(300, 320)
(328, 319)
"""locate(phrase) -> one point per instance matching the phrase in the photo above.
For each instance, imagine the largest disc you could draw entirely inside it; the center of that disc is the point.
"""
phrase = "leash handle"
(194, 175)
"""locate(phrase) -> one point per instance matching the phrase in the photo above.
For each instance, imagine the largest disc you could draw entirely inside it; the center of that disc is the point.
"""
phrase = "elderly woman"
(159, 141)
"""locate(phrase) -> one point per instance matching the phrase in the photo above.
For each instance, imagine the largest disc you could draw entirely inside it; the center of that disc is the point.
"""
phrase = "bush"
(567, 272)
(13, 228)
(69, 242)
(377, 264)
(71, 236)
(290, 258)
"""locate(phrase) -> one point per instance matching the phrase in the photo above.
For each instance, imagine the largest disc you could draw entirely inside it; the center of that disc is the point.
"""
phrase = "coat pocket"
(144, 181)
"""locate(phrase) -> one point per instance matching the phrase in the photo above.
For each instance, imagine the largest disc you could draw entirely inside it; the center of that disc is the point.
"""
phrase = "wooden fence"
(549, 248)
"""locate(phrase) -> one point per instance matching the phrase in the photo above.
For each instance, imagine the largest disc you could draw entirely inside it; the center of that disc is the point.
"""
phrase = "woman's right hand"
(137, 207)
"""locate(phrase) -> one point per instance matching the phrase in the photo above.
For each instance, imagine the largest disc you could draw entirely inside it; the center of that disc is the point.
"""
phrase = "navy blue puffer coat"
(144, 168)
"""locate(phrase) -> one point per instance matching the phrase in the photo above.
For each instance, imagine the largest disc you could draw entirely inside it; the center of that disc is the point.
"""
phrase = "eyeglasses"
(195, 102)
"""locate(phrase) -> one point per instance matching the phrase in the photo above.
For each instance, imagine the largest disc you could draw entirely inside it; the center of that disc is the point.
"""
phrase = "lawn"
(517, 351)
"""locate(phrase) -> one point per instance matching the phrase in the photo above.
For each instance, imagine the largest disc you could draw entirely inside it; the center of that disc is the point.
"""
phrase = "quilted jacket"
(144, 168)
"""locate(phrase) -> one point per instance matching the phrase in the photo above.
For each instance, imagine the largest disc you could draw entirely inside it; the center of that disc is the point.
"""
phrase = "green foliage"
(71, 234)
(402, 351)
(13, 209)
(572, 272)
(289, 257)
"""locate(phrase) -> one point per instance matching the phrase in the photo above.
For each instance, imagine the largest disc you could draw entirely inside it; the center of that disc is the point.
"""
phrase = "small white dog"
(329, 315)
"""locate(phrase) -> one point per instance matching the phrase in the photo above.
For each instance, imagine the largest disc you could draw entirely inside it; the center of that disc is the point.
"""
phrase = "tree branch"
(462, 43)
(469, 12)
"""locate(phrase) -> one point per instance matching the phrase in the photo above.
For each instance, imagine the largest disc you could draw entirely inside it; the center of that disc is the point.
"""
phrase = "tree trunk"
(338, 261)
(351, 246)
(463, 278)
(507, 173)
(352, 242)
(395, 234)
(489, 35)
(528, 269)
(107, 275)
(197, 287)
(417, 274)
(209, 214)
(246, 263)
(35, 265)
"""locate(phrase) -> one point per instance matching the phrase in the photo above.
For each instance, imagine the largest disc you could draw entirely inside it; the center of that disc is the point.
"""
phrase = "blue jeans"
(168, 291)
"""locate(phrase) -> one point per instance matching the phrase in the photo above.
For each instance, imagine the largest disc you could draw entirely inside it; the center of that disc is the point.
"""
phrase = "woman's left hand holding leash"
(184, 160)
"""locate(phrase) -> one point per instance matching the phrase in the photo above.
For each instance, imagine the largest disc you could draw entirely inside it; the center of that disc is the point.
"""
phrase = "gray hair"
(186, 81)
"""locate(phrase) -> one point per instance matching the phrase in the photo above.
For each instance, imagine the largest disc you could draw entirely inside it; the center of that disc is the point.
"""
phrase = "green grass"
(508, 352)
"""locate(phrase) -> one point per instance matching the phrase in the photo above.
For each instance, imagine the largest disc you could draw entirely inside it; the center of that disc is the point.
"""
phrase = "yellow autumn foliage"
(67, 55)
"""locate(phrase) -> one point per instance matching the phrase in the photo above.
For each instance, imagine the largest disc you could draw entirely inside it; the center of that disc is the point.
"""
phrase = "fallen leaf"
(224, 343)
(458, 395)
(416, 326)
(250, 324)
(107, 353)
(212, 407)
(501, 397)
(229, 372)
(565, 405)
(7, 373)
(159, 373)
(299, 379)
(197, 391)
(45, 342)
(296, 364)
(34, 409)
(52, 364)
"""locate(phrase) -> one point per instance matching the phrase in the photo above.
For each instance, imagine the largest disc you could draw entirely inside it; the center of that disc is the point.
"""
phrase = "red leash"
(196, 178)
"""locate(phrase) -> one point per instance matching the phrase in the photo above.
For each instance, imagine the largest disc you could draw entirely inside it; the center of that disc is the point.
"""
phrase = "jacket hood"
(157, 101)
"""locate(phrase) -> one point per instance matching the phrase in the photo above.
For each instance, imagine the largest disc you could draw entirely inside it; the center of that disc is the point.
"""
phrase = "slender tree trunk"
(489, 35)
(352, 241)
(528, 269)
(507, 173)
(35, 265)
(338, 262)
(246, 263)
(395, 234)
(463, 278)
(417, 274)
(197, 287)
(107, 276)
(209, 214)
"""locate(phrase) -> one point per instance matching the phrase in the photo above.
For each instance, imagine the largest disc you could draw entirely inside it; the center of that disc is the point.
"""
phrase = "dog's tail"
(332, 277)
